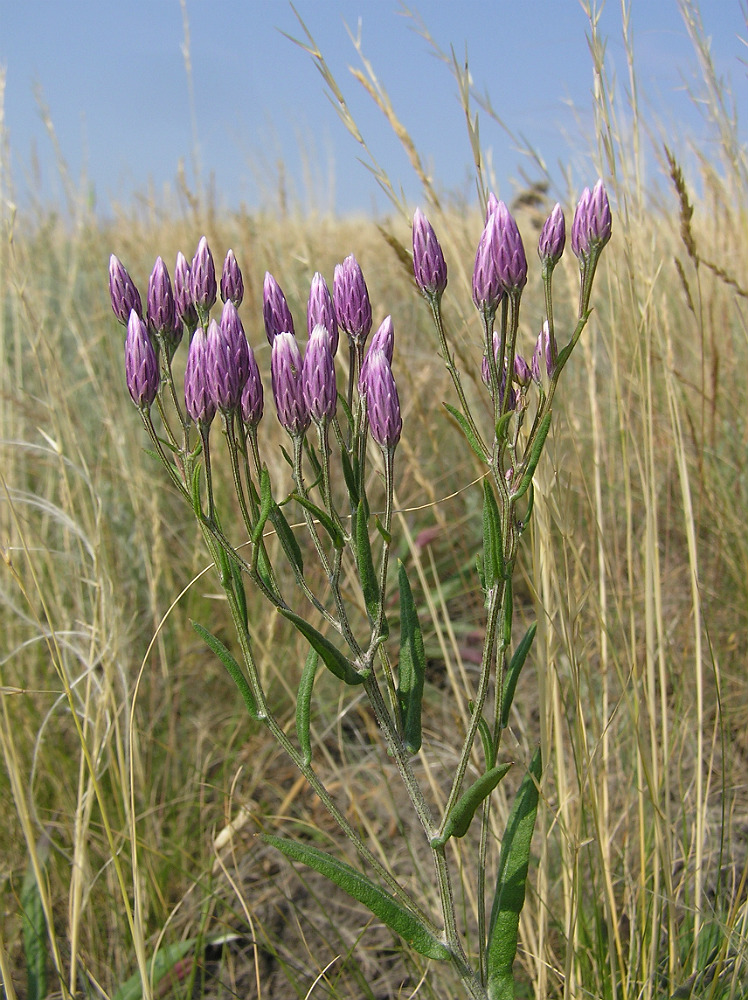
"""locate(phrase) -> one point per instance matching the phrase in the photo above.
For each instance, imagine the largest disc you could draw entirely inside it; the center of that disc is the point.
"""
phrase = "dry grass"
(134, 786)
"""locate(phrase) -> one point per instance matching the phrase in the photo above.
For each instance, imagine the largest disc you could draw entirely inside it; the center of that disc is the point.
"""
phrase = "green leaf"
(337, 536)
(241, 597)
(365, 563)
(507, 610)
(514, 862)
(493, 545)
(485, 735)
(304, 706)
(503, 425)
(467, 430)
(412, 667)
(34, 929)
(266, 503)
(350, 478)
(459, 820)
(333, 659)
(195, 491)
(360, 887)
(537, 449)
(286, 537)
(382, 530)
(513, 672)
(236, 672)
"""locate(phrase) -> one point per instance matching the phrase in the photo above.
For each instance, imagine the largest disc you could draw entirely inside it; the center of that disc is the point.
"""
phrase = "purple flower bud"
(228, 359)
(600, 221)
(580, 225)
(320, 309)
(203, 278)
(511, 261)
(543, 355)
(318, 376)
(232, 284)
(522, 371)
(383, 340)
(351, 298)
(197, 395)
(160, 309)
(382, 402)
(275, 309)
(592, 224)
(488, 289)
(252, 394)
(552, 238)
(122, 291)
(183, 304)
(429, 265)
(286, 368)
(141, 364)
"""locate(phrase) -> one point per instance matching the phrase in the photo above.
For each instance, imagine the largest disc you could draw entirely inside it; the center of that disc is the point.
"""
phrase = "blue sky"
(113, 77)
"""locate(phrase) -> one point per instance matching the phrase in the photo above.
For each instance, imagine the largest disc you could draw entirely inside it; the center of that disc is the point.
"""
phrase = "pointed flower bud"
(351, 298)
(383, 340)
(488, 289)
(382, 402)
(522, 371)
(429, 265)
(275, 309)
(228, 359)
(286, 368)
(511, 261)
(141, 364)
(122, 292)
(232, 284)
(252, 395)
(592, 223)
(203, 278)
(320, 309)
(552, 238)
(197, 395)
(183, 304)
(318, 376)
(544, 355)
(160, 309)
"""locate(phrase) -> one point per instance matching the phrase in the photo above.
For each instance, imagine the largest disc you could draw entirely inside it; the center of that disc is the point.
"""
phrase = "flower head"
(552, 237)
(232, 283)
(351, 298)
(320, 309)
(384, 341)
(203, 278)
(511, 263)
(286, 368)
(592, 225)
(183, 304)
(488, 288)
(544, 355)
(429, 266)
(318, 376)
(141, 363)
(122, 292)
(275, 309)
(228, 359)
(197, 395)
(382, 401)
(252, 400)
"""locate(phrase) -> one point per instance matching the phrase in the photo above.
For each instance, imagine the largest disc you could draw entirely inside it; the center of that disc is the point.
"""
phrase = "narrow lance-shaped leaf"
(467, 430)
(493, 546)
(236, 672)
(286, 537)
(514, 862)
(333, 659)
(537, 449)
(304, 706)
(365, 563)
(338, 539)
(266, 503)
(513, 672)
(35, 928)
(360, 887)
(459, 820)
(412, 668)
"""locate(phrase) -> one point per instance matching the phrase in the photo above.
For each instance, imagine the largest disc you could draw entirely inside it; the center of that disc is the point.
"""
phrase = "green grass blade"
(34, 936)
(360, 887)
(511, 881)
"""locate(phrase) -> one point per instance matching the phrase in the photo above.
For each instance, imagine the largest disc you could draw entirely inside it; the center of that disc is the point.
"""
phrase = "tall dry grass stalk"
(139, 772)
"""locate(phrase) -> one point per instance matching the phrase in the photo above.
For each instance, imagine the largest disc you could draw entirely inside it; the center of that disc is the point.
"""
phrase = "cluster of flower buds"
(501, 270)
(221, 372)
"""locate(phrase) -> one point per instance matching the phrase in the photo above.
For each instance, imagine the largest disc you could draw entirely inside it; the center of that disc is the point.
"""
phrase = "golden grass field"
(129, 770)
